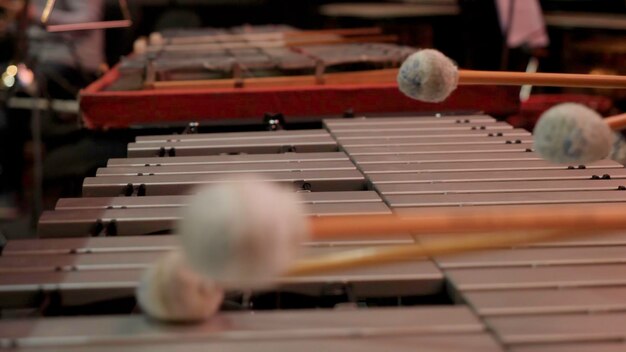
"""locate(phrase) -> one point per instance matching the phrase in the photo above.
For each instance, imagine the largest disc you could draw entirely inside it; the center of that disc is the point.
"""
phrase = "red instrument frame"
(119, 109)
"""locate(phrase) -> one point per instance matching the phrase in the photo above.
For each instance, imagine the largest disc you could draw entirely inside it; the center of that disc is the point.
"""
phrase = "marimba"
(567, 295)
(242, 73)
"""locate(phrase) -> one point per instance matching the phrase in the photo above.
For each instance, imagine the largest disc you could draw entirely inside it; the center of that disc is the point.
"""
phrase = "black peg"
(274, 122)
(111, 229)
(192, 128)
(141, 190)
(96, 228)
(129, 190)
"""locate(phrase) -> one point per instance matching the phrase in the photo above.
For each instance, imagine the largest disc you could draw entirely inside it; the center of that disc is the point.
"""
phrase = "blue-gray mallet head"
(572, 133)
(428, 76)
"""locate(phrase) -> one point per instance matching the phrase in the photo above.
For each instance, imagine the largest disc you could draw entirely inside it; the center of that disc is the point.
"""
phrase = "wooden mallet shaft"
(579, 217)
(470, 77)
(617, 122)
(465, 229)
(466, 77)
(380, 255)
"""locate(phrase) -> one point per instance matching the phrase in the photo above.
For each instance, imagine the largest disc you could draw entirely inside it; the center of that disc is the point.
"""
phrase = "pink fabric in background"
(527, 28)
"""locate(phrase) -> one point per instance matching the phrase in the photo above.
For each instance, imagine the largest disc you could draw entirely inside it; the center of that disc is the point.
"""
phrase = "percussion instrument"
(562, 295)
(244, 72)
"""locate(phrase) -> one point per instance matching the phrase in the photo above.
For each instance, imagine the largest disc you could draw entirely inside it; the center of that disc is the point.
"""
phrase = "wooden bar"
(612, 239)
(79, 245)
(237, 327)
(503, 147)
(423, 128)
(445, 158)
(600, 327)
(135, 259)
(292, 33)
(98, 279)
(249, 146)
(573, 347)
(270, 135)
(448, 341)
(341, 79)
(534, 257)
(423, 141)
(220, 168)
(227, 159)
(471, 166)
(181, 200)
(486, 279)
(478, 199)
(412, 135)
(368, 122)
(494, 176)
(566, 185)
(159, 220)
(316, 181)
(547, 301)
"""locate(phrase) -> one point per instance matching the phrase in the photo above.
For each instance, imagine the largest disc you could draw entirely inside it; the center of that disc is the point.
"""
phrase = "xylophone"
(229, 58)
(565, 295)
(244, 72)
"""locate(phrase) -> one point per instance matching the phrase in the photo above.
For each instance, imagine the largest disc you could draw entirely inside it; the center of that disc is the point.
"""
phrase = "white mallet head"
(171, 291)
(572, 132)
(140, 46)
(428, 75)
(243, 234)
(156, 38)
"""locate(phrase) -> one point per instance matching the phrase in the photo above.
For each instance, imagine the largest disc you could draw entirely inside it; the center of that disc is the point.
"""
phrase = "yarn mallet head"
(428, 75)
(246, 232)
(239, 235)
(572, 132)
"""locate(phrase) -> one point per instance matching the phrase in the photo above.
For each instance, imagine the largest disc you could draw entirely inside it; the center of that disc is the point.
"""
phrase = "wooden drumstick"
(372, 256)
